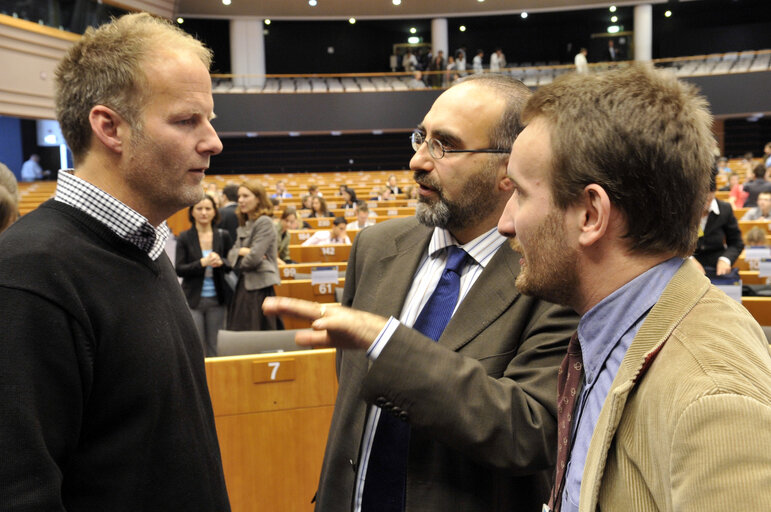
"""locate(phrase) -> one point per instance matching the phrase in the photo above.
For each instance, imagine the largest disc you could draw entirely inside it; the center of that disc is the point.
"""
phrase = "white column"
(439, 38)
(643, 31)
(247, 52)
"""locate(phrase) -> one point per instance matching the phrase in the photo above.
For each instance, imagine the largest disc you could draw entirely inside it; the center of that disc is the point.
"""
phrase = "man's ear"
(595, 210)
(108, 127)
(505, 183)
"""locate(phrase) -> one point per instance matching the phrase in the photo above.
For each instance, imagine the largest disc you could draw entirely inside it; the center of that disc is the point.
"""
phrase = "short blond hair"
(642, 135)
(105, 67)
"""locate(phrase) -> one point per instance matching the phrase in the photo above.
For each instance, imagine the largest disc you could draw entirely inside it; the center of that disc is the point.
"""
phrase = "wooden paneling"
(272, 434)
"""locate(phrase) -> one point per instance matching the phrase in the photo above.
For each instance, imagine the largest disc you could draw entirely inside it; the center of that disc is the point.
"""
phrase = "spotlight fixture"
(668, 14)
(462, 28)
(396, 2)
(613, 29)
(312, 3)
(523, 15)
(267, 21)
(413, 40)
(180, 20)
(612, 8)
(225, 2)
(352, 20)
(413, 30)
(614, 19)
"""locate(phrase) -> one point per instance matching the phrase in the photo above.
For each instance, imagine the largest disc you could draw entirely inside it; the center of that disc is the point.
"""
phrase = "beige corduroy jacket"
(690, 431)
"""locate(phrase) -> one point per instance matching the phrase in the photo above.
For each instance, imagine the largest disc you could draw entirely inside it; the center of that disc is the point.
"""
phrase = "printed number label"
(392, 213)
(325, 289)
(303, 236)
(323, 223)
(273, 371)
(328, 251)
(290, 272)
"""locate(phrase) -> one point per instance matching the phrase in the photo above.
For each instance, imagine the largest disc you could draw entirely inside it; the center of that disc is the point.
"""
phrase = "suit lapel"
(397, 267)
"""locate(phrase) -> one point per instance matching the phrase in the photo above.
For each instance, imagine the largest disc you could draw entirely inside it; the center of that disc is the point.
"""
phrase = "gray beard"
(434, 216)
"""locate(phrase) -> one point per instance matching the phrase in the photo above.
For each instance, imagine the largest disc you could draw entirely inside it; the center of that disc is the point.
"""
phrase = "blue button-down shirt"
(605, 333)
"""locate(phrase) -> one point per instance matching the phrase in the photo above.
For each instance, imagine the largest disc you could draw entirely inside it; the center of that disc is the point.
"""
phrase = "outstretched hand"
(333, 326)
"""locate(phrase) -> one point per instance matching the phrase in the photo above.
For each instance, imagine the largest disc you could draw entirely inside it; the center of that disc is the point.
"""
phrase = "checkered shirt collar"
(122, 220)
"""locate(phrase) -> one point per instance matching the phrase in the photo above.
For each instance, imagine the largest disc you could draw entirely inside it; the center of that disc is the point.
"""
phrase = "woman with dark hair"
(200, 264)
(319, 207)
(349, 196)
(254, 256)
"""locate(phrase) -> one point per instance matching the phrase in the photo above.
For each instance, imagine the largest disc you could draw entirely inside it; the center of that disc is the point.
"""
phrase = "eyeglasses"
(437, 150)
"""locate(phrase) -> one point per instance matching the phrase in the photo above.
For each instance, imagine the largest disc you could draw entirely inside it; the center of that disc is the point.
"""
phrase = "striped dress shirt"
(481, 250)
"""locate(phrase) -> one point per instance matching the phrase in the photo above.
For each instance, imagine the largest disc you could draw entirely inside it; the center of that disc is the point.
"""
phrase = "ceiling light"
(668, 14)
(225, 2)
(480, 1)
(312, 3)
(413, 30)
(396, 2)
(523, 15)
(180, 20)
(463, 28)
(614, 19)
(612, 8)
(267, 21)
(613, 29)
(351, 20)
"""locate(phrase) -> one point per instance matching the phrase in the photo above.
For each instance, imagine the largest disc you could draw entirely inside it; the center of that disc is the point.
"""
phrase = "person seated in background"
(722, 165)
(307, 203)
(319, 207)
(736, 195)
(411, 192)
(763, 210)
(386, 195)
(720, 240)
(336, 235)
(376, 194)
(756, 185)
(362, 216)
(416, 82)
(281, 192)
(313, 191)
(349, 198)
(754, 239)
(392, 186)
(287, 221)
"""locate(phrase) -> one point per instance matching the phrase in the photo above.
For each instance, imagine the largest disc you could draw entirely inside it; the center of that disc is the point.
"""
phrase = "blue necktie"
(384, 484)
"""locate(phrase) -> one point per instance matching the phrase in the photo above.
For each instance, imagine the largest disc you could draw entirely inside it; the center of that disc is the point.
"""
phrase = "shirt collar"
(121, 219)
(481, 249)
(714, 208)
(603, 326)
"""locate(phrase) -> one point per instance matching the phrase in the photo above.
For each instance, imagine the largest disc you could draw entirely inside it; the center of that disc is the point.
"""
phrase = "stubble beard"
(550, 271)
(147, 168)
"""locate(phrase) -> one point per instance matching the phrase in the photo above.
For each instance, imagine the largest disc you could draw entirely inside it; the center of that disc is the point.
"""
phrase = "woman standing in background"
(254, 257)
(200, 264)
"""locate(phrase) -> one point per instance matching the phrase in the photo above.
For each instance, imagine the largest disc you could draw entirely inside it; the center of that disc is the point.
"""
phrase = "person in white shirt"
(334, 236)
(460, 62)
(478, 61)
(497, 61)
(581, 64)
(362, 216)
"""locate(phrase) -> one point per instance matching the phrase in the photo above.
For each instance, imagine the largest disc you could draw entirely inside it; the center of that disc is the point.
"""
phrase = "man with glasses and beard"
(465, 422)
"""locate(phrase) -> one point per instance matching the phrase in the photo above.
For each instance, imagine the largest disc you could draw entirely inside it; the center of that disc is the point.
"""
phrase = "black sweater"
(103, 398)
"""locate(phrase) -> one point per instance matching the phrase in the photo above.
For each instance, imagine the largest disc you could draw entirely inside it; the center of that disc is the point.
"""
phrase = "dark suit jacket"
(722, 237)
(188, 265)
(481, 401)
(229, 220)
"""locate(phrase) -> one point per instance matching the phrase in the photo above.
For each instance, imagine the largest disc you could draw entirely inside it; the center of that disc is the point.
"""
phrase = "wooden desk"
(272, 413)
